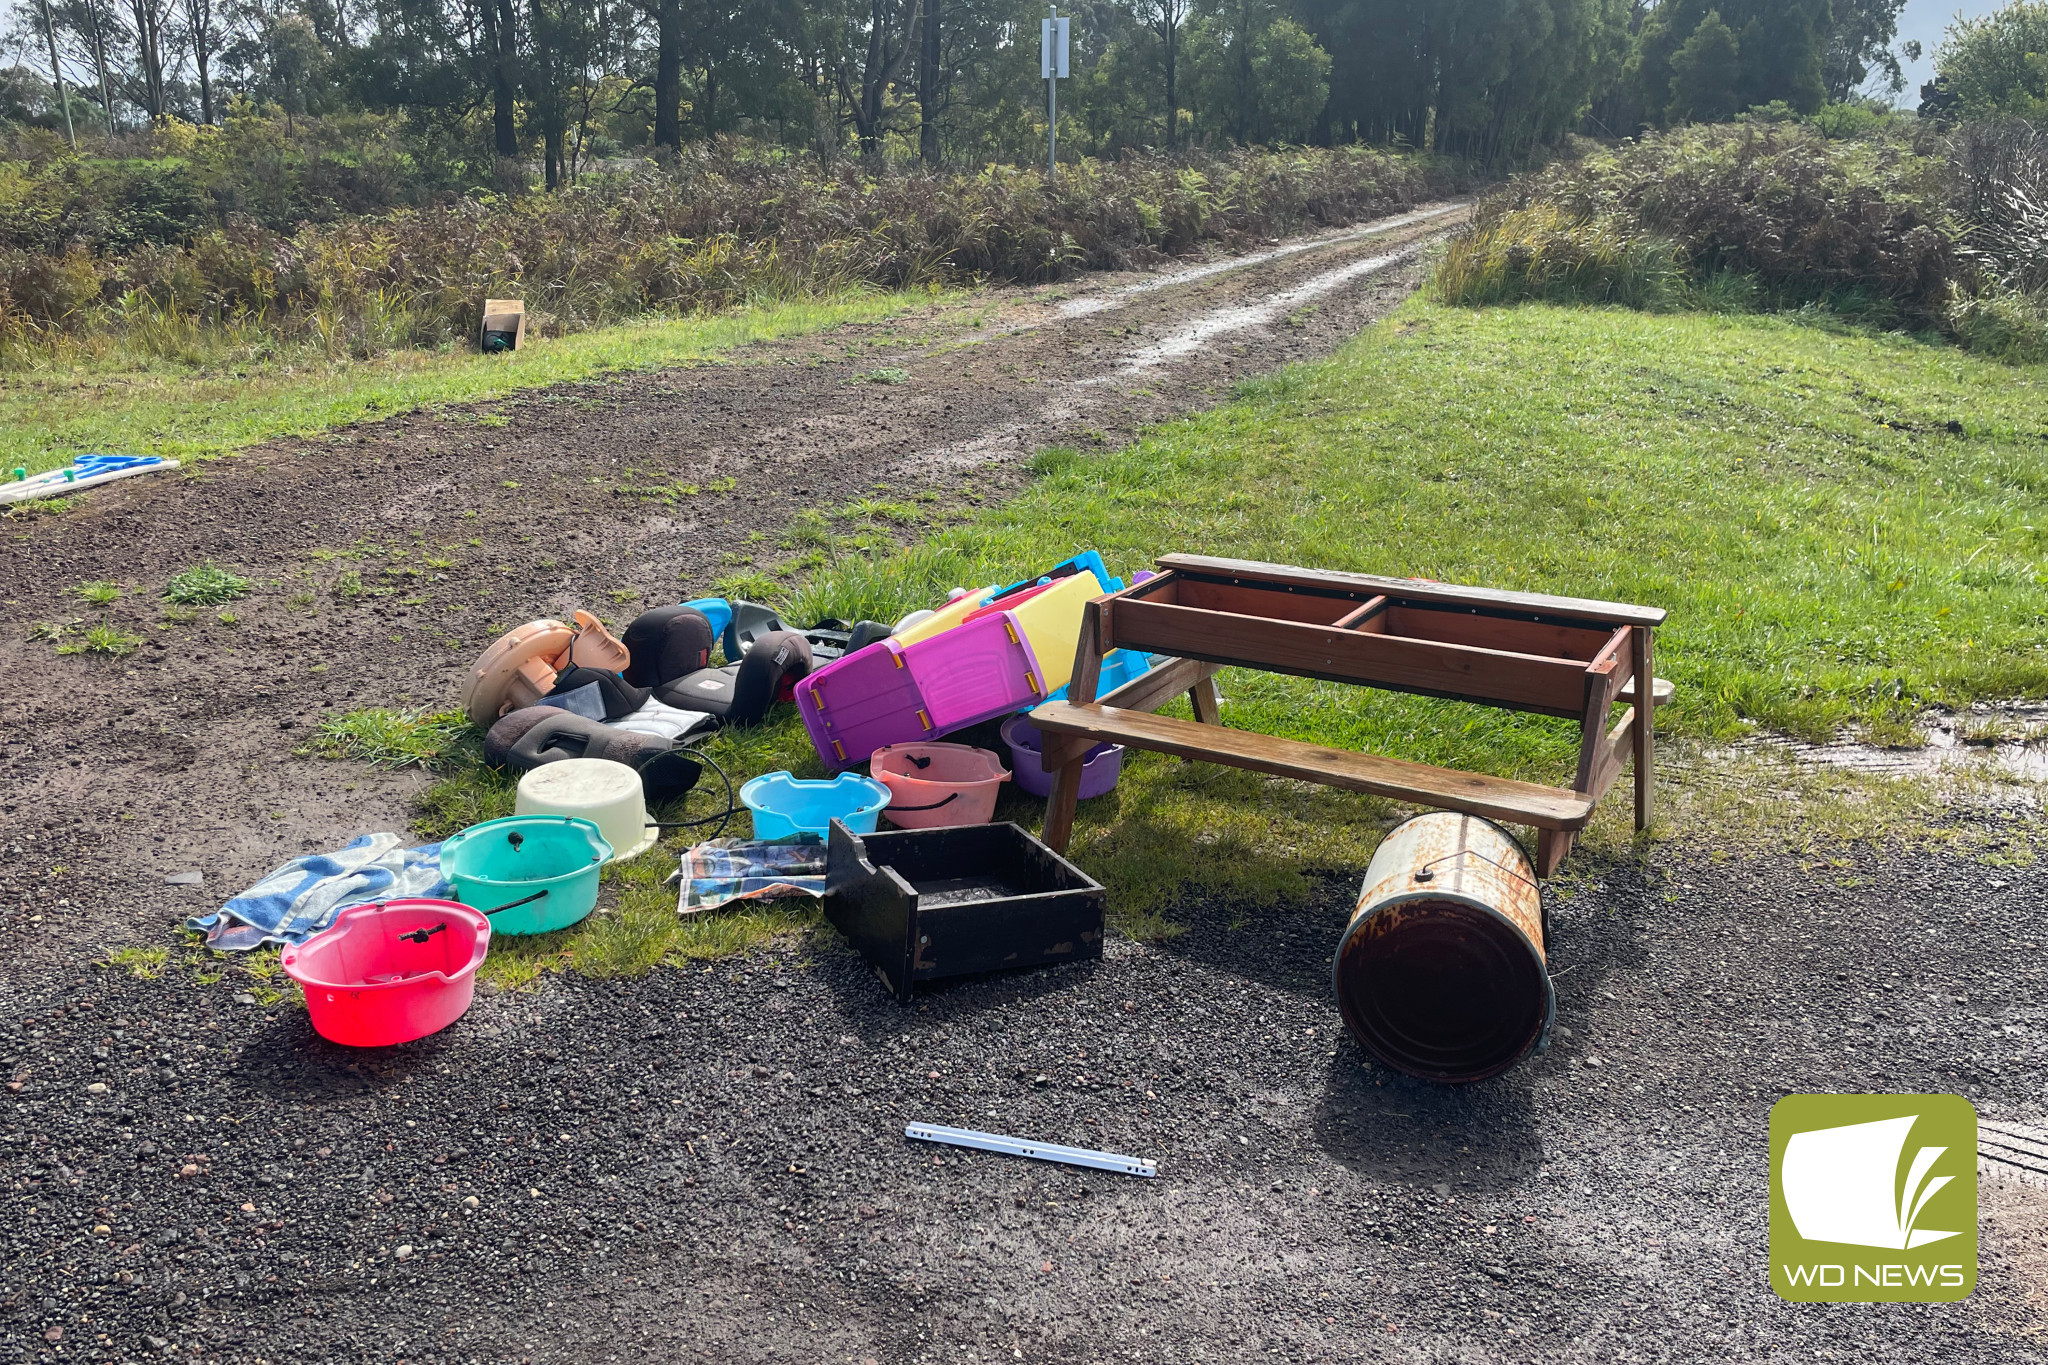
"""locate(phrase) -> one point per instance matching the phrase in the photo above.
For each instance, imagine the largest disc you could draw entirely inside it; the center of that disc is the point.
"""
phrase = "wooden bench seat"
(1497, 798)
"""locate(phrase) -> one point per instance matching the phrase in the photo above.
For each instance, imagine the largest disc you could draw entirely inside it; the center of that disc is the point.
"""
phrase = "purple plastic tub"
(862, 702)
(975, 672)
(1099, 770)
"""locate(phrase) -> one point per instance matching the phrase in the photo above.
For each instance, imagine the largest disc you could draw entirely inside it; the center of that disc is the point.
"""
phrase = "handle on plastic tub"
(955, 796)
(514, 905)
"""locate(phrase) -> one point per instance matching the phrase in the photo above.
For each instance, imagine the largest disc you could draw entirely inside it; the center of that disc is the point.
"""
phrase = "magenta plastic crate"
(975, 672)
(863, 702)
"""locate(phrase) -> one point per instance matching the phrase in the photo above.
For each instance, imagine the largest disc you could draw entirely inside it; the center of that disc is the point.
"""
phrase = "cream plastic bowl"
(605, 793)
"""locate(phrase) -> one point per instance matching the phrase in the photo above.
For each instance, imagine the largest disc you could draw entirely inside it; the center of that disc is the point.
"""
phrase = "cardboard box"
(504, 325)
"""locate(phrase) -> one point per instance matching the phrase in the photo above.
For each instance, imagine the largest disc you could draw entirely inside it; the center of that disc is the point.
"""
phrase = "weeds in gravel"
(99, 594)
(146, 963)
(205, 585)
(44, 632)
(394, 739)
(102, 639)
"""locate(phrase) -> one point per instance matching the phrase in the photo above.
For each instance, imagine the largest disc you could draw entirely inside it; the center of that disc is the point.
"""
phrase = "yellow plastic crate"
(1051, 621)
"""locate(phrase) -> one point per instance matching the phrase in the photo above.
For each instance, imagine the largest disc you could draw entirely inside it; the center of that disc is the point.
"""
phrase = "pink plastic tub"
(938, 784)
(390, 971)
(1099, 770)
(975, 672)
(860, 703)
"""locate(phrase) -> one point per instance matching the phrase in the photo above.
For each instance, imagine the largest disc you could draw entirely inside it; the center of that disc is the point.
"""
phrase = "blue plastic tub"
(784, 806)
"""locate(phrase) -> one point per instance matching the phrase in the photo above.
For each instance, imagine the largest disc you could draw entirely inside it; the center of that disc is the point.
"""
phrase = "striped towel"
(301, 898)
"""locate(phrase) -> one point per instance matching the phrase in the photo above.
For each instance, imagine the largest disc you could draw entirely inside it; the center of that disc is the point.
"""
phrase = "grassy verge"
(203, 409)
(1833, 550)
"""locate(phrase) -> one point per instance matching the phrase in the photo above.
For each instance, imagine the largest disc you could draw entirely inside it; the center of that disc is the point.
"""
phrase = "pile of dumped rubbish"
(386, 940)
(603, 727)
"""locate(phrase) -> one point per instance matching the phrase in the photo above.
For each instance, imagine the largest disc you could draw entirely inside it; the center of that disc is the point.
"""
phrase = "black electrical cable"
(731, 805)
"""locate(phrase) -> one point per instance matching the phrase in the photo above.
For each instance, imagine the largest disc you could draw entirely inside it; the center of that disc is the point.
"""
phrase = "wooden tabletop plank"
(1499, 798)
(1420, 590)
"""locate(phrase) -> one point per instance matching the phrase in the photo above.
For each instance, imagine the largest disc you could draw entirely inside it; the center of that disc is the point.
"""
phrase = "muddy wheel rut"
(181, 755)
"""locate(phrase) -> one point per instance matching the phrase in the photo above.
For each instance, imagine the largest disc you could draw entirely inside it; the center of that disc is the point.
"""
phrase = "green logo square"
(1873, 1198)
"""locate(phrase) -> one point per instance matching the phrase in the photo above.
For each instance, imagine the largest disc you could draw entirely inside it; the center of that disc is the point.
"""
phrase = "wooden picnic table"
(1556, 656)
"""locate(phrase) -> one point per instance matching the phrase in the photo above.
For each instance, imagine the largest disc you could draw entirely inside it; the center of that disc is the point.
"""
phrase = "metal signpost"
(1052, 65)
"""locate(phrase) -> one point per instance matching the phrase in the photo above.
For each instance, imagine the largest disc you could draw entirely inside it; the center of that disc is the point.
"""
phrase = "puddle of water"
(1113, 298)
(1205, 329)
(2006, 739)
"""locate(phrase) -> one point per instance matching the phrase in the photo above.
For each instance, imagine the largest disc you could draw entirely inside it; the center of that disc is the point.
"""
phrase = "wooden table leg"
(1551, 847)
(1645, 756)
(1207, 700)
(1064, 755)
(1059, 807)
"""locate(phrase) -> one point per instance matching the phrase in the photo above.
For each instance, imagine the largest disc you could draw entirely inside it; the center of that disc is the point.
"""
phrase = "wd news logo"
(1873, 1198)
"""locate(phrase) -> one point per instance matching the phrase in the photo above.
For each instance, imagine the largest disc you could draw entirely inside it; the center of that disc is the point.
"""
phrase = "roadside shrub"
(2003, 325)
(1805, 216)
(1899, 226)
(1544, 252)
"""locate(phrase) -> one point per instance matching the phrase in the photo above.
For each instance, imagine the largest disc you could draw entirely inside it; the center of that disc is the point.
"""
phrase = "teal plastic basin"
(502, 861)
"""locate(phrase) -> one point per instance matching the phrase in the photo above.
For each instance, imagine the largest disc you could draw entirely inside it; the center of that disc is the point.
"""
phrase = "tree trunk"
(928, 85)
(57, 75)
(1172, 36)
(99, 60)
(668, 75)
(501, 29)
(199, 26)
(1244, 73)
(551, 141)
(884, 60)
(149, 56)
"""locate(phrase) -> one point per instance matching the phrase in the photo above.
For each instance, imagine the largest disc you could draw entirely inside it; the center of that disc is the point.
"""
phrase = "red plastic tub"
(390, 971)
(932, 785)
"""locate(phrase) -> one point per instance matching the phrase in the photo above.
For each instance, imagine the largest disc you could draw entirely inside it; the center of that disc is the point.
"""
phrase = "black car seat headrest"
(742, 693)
(865, 633)
(668, 643)
(750, 621)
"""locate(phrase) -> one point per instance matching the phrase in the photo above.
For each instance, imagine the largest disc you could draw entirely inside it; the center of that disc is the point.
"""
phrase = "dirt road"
(708, 1164)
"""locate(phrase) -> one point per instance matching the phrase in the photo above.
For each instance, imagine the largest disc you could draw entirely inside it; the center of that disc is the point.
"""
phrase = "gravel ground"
(709, 1164)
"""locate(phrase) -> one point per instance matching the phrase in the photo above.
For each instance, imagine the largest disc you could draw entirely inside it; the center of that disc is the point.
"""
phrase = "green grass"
(102, 639)
(394, 739)
(1831, 554)
(204, 585)
(187, 412)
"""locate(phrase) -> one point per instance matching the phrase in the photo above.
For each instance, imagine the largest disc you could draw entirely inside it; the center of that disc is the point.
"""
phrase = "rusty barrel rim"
(1411, 1003)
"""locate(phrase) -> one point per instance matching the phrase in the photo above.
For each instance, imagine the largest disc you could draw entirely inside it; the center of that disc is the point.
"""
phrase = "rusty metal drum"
(1441, 972)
